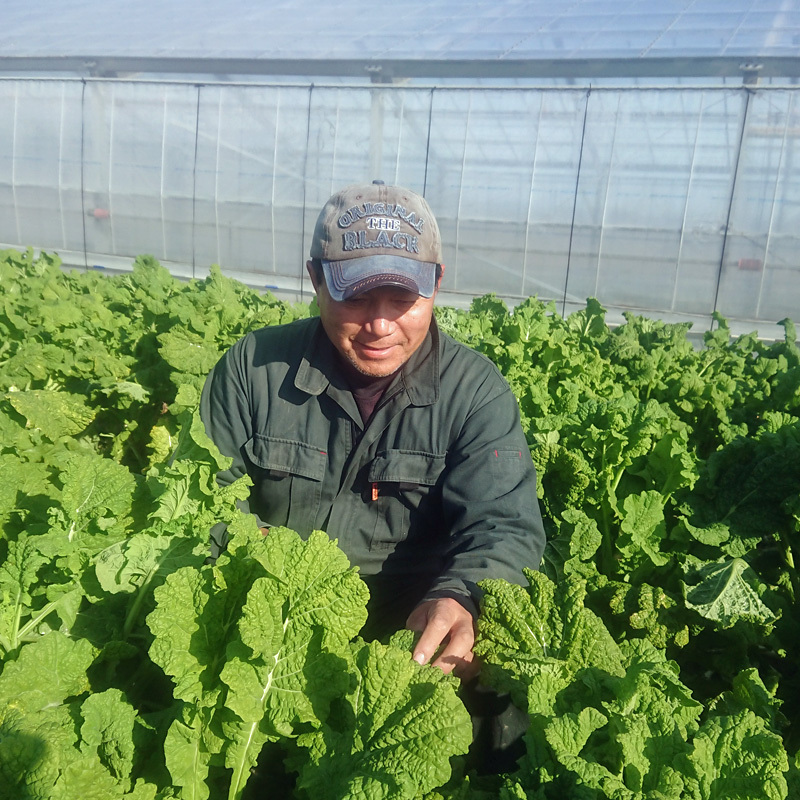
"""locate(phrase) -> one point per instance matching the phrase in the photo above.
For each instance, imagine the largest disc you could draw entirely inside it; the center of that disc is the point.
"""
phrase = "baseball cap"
(377, 235)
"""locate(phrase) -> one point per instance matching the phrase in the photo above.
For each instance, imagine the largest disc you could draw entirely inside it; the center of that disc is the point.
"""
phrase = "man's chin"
(374, 369)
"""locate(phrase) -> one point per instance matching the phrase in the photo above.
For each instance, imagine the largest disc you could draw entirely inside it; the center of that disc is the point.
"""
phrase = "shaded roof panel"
(314, 31)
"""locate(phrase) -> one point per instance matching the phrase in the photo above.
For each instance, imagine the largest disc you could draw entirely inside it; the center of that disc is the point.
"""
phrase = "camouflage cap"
(377, 235)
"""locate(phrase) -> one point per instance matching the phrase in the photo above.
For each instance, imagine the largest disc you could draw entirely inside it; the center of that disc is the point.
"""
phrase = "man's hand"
(445, 621)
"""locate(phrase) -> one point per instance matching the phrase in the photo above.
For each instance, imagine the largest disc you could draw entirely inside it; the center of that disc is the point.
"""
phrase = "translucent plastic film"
(675, 202)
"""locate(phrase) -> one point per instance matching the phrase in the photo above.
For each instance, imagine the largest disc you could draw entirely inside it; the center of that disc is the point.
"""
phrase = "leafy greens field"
(656, 652)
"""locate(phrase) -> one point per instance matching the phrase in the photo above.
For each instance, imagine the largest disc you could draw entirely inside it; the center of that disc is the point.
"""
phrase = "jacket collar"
(419, 375)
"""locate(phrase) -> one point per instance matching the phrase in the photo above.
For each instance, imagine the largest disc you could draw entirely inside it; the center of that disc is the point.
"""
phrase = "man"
(372, 425)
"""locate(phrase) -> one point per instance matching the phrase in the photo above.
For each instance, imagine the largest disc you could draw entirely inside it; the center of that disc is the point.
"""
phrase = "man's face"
(376, 331)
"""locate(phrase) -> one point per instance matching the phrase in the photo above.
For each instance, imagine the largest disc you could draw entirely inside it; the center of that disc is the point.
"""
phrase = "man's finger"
(465, 666)
(458, 648)
(443, 622)
(436, 630)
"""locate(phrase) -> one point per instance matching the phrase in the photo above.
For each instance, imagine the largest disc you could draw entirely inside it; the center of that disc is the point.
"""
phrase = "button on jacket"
(435, 493)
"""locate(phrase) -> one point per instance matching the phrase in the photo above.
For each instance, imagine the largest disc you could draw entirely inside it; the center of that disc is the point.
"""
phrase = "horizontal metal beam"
(389, 70)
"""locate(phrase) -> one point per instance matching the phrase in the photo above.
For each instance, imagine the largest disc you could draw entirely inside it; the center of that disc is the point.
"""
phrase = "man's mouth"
(375, 350)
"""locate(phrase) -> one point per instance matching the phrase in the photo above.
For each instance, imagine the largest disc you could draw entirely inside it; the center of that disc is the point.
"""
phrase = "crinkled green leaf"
(161, 444)
(13, 435)
(534, 641)
(181, 497)
(620, 736)
(85, 777)
(392, 736)
(187, 757)
(186, 399)
(564, 476)
(546, 621)
(34, 360)
(295, 627)
(320, 586)
(745, 485)
(652, 610)
(511, 620)
(143, 560)
(187, 352)
(22, 613)
(64, 599)
(55, 413)
(47, 672)
(258, 631)
(651, 687)
(133, 390)
(142, 790)
(18, 573)
(652, 716)
(737, 758)
(728, 592)
(670, 466)
(642, 528)
(648, 758)
(714, 534)
(573, 550)
(107, 731)
(185, 491)
(19, 479)
(34, 747)
(194, 443)
(749, 692)
(192, 624)
(637, 764)
(191, 632)
(585, 538)
(94, 486)
(567, 736)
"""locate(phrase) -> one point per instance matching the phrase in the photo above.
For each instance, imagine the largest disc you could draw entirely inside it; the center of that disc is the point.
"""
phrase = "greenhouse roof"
(412, 38)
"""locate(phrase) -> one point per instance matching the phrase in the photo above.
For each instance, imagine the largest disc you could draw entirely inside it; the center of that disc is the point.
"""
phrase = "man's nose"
(379, 318)
(379, 323)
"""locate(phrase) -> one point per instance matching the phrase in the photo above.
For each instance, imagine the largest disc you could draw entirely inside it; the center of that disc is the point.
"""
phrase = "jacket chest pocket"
(287, 481)
(403, 485)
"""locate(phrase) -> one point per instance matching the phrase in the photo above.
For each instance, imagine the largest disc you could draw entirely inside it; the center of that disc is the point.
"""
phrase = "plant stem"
(33, 621)
(788, 556)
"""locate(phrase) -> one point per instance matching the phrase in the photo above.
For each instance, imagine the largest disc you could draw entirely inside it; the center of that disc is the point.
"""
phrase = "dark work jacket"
(436, 493)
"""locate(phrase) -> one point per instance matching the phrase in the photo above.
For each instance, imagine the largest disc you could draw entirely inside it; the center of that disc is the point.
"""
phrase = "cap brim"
(349, 278)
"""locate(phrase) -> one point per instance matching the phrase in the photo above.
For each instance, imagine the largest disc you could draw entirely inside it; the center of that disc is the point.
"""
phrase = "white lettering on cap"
(389, 209)
(383, 224)
(357, 240)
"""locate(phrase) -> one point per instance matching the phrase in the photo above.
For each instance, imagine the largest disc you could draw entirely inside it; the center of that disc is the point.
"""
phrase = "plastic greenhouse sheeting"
(675, 202)
(490, 35)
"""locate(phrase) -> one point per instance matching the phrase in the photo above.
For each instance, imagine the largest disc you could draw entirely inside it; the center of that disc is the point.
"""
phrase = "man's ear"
(439, 276)
(312, 274)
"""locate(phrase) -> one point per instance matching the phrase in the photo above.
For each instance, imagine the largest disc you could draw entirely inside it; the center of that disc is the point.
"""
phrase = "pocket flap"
(284, 455)
(406, 466)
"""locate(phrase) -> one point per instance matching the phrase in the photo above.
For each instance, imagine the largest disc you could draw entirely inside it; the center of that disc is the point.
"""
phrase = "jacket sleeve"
(489, 499)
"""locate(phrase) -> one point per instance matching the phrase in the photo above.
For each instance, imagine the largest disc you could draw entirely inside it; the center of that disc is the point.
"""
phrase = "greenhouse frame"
(662, 180)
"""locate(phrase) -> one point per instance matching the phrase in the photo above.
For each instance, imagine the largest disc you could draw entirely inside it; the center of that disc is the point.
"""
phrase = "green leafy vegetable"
(391, 736)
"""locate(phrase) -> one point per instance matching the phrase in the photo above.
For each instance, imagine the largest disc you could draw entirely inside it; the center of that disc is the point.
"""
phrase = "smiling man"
(372, 425)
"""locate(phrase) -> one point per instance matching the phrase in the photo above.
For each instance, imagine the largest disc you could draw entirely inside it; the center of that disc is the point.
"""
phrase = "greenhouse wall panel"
(138, 171)
(761, 265)
(676, 201)
(40, 164)
(251, 147)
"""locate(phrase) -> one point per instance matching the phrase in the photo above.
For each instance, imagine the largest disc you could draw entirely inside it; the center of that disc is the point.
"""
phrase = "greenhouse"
(281, 522)
(569, 150)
